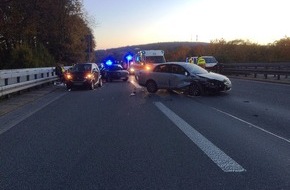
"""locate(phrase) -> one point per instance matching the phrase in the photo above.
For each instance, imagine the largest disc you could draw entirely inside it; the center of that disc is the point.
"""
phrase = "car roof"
(175, 62)
(183, 64)
(86, 63)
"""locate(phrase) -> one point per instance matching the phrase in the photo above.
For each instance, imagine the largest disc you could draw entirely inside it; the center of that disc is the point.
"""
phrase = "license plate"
(78, 83)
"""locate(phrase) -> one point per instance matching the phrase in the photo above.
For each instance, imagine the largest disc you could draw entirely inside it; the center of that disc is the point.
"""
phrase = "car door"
(161, 75)
(179, 77)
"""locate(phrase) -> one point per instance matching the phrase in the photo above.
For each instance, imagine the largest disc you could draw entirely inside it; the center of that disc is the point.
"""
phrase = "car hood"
(118, 71)
(214, 76)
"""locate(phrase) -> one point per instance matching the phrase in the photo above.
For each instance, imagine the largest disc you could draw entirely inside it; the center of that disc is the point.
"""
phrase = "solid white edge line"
(252, 125)
(222, 160)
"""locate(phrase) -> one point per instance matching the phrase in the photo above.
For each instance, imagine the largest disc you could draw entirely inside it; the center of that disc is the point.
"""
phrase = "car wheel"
(195, 89)
(100, 82)
(151, 86)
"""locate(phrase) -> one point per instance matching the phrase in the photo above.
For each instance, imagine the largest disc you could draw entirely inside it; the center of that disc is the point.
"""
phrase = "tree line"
(235, 51)
(41, 33)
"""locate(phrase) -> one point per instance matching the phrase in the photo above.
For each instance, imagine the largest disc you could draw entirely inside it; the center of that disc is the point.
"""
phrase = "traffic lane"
(264, 157)
(147, 151)
(114, 151)
(114, 141)
(263, 104)
(74, 143)
(139, 152)
(269, 92)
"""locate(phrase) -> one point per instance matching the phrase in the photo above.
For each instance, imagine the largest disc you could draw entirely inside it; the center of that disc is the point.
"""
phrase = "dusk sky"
(132, 22)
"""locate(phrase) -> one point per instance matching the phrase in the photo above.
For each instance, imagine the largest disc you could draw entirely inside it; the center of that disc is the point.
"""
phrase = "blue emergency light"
(109, 62)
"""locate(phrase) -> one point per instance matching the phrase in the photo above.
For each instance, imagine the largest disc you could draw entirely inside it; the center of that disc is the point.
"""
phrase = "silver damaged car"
(183, 76)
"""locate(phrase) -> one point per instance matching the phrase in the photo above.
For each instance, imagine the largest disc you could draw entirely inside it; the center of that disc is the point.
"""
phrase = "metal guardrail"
(277, 70)
(16, 80)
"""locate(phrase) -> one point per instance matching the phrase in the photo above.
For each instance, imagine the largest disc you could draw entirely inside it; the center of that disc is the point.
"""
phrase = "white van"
(146, 59)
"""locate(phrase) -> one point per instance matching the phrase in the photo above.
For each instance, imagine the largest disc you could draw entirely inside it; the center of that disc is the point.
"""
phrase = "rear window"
(81, 67)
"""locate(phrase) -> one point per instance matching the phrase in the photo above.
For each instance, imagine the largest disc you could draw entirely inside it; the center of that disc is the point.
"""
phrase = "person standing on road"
(59, 71)
(201, 62)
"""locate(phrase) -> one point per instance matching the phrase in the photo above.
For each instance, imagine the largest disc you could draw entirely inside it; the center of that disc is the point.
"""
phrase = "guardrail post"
(278, 76)
(255, 74)
(265, 75)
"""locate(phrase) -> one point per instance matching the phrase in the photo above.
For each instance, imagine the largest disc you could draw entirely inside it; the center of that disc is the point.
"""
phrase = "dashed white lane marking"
(252, 125)
(222, 160)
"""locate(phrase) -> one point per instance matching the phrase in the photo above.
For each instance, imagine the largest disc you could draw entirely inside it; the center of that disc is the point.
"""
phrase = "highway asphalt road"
(121, 137)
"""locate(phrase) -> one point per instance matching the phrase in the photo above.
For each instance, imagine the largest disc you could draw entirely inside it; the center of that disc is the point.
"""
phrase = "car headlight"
(147, 68)
(89, 76)
(68, 76)
(132, 69)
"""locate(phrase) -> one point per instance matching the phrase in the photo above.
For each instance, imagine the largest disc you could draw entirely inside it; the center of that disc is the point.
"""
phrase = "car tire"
(195, 89)
(151, 86)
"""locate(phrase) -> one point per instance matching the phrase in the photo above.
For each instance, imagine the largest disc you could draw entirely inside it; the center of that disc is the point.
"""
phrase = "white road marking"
(252, 125)
(133, 81)
(222, 160)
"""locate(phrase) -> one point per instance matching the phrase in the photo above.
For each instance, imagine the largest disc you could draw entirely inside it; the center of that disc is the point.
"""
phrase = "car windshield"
(210, 59)
(81, 67)
(155, 59)
(194, 69)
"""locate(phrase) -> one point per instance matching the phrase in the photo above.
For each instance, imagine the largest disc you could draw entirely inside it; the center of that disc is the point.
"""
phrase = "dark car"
(183, 76)
(115, 72)
(83, 75)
